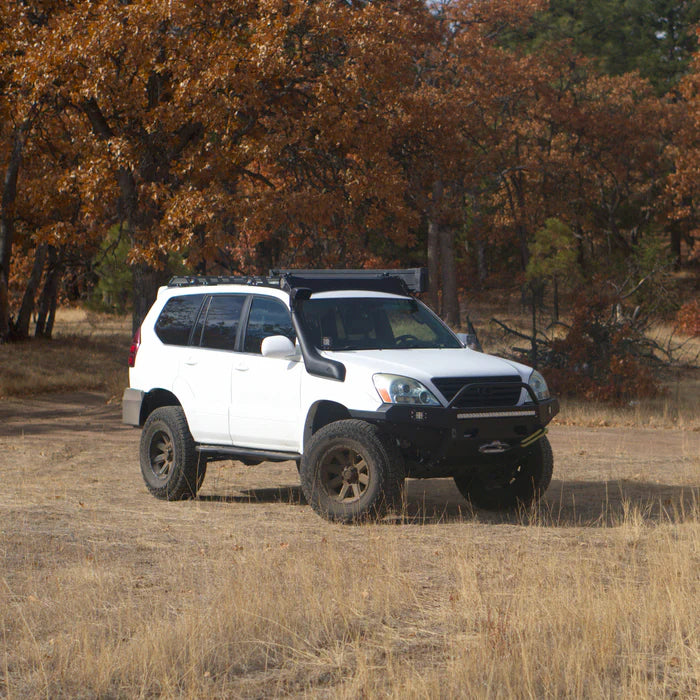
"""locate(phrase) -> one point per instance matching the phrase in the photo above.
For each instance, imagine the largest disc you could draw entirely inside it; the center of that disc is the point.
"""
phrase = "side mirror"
(469, 340)
(278, 346)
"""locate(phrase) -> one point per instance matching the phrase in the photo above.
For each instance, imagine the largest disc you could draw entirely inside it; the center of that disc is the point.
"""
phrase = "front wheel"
(350, 471)
(520, 485)
(170, 464)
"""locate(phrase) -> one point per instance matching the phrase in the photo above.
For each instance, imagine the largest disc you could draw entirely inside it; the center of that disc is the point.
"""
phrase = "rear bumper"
(131, 406)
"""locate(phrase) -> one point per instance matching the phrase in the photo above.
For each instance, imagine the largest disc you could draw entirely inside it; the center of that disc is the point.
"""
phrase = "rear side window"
(221, 324)
(177, 318)
(267, 317)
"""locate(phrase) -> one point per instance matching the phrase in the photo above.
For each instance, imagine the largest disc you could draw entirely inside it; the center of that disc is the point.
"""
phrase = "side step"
(228, 451)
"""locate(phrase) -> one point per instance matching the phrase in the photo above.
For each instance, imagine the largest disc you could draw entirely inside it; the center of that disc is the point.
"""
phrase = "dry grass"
(678, 407)
(361, 612)
(88, 353)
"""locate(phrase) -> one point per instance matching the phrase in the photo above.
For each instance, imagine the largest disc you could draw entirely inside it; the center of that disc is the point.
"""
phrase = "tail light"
(135, 343)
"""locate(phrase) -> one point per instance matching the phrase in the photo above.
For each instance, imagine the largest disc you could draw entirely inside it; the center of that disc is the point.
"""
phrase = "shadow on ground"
(566, 504)
(290, 495)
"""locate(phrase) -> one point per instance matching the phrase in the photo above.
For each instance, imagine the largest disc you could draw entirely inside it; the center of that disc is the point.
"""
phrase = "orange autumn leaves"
(287, 132)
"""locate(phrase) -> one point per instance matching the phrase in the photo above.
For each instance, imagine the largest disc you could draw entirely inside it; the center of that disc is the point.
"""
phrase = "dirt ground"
(72, 495)
(68, 462)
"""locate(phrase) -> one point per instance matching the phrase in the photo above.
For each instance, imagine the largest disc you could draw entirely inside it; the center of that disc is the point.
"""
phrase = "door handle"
(242, 368)
(190, 361)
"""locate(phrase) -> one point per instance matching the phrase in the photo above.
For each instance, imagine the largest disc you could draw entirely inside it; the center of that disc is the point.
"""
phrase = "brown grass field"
(244, 592)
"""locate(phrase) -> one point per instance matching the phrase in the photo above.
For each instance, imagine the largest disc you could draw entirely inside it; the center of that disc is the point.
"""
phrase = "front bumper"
(453, 435)
(487, 421)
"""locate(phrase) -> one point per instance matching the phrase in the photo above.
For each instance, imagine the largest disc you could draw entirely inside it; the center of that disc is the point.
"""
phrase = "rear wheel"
(170, 464)
(520, 485)
(350, 471)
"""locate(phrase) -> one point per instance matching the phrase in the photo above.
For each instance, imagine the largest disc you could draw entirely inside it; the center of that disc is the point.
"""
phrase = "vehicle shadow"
(566, 503)
(291, 495)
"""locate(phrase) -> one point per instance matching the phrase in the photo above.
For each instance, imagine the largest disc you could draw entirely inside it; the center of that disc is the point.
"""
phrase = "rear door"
(266, 390)
(207, 367)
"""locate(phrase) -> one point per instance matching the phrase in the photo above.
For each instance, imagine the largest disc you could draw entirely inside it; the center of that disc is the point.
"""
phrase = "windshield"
(373, 323)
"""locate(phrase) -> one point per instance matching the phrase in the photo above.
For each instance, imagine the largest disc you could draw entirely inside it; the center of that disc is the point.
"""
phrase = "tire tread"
(188, 468)
(390, 470)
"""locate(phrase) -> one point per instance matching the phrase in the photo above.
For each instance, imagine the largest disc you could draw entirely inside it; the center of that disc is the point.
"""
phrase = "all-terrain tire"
(170, 464)
(523, 485)
(351, 472)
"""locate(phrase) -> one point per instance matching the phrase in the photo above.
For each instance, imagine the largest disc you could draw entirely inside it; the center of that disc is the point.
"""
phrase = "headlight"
(538, 385)
(403, 390)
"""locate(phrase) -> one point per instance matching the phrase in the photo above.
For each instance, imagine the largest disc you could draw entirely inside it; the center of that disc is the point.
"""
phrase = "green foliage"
(113, 292)
(114, 289)
(651, 268)
(552, 253)
(653, 37)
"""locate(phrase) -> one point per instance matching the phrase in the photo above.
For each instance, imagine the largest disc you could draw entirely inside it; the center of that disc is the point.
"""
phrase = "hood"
(423, 365)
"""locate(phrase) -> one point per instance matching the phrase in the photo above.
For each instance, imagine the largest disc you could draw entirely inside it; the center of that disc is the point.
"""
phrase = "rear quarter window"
(175, 322)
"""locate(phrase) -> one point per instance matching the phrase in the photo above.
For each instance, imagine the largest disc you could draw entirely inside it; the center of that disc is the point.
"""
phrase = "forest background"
(552, 148)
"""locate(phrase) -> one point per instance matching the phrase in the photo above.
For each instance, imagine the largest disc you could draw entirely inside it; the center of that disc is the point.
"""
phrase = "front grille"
(488, 391)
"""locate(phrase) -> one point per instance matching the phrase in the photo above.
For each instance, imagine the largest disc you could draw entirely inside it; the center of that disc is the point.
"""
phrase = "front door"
(265, 400)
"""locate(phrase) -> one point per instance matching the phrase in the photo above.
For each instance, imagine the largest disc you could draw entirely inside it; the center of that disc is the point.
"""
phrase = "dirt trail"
(74, 448)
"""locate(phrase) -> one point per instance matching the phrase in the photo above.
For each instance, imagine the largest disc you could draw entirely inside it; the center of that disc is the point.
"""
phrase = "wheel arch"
(156, 398)
(320, 414)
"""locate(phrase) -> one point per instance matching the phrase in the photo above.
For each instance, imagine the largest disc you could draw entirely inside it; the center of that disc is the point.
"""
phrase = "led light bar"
(496, 414)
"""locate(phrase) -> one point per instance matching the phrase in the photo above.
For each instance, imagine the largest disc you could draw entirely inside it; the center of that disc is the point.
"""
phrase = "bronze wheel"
(161, 454)
(344, 474)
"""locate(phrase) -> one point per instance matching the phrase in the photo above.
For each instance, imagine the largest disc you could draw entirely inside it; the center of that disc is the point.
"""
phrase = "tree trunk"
(433, 296)
(481, 269)
(450, 300)
(7, 223)
(533, 341)
(25, 312)
(524, 250)
(146, 281)
(49, 295)
(676, 245)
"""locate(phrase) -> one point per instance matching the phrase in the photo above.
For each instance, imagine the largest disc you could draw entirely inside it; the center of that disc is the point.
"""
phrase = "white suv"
(343, 371)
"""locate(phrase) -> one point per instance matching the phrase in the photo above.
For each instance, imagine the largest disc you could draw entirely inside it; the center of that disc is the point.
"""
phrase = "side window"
(177, 318)
(221, 324)
(267, 317)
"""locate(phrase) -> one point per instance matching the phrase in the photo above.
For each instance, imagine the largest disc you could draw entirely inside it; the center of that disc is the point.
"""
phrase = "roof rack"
(402, 281)
(213, 280)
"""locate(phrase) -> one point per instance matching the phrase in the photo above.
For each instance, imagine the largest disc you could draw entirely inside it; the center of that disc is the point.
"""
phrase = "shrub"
(604, 355)
(688, 318)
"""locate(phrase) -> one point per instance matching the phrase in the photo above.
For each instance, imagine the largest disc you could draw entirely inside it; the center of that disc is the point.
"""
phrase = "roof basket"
(413, 279)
